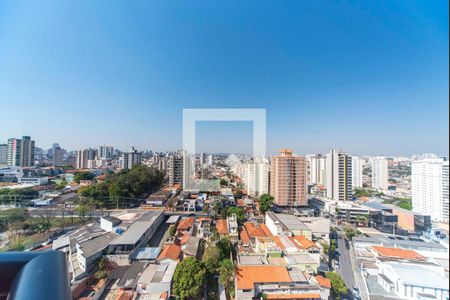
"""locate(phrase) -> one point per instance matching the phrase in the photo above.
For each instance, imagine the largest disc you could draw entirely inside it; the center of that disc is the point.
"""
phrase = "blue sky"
(370, 77)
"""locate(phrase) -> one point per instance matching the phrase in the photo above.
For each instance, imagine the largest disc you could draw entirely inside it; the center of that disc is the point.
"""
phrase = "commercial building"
(288, 179)
(288, 225)
(429, 186)
(380, 175)
(20, 152)
(339, 176)
(138, 233)
(256, 177)
(130, 159)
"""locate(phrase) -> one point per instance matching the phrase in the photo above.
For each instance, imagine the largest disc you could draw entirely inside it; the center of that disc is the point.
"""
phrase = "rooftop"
(222, 226)
(171, 251)
(420, 275)
(147, 253)
(136, 230)
(289, 222)
(247, 276)
(397, 253)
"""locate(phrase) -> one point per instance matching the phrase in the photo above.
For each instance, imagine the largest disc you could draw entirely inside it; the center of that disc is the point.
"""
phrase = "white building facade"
(357, 172)
(380, 173)
(429, 186)
(256, 177)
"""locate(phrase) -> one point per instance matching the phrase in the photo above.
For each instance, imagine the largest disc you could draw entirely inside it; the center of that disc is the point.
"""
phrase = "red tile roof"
(266, 230)
(304, 242)
(243, 235)
(323, 282)
(171, 251)
(222, 226)
(255, 230)
(398, 253)
(247, 276)
(186, 224)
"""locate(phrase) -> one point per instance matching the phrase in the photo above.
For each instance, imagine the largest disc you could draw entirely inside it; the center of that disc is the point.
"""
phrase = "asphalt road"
(346, 269)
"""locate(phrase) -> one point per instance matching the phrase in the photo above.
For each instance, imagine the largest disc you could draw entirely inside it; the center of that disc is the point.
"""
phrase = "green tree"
(83, 176)
(226, 276)
(337, 284)
(211, 258)
(189, 278)
(238, 211)
(224, 247)
(12, 216)
(350, 233)
(223, 182)
(172, 230)
(265, 202)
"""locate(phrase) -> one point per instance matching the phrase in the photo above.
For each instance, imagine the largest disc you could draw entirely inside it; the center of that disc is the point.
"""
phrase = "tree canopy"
(189, 278)
(337, 284)
(265, 202)
(137, 182)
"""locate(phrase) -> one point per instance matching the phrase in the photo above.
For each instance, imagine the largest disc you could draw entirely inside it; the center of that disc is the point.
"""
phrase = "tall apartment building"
(380, 173)
(175, 169)
(288, 179)
(20, 152)
(188, 178)
(202, 158)
(339, 176)
(317, 169)
(256, 176)
(3, 154)
(429, 185)
(130, 159)
(58, 156)
(82, 159)
(105, 152)
(357, 172)
(84, 156)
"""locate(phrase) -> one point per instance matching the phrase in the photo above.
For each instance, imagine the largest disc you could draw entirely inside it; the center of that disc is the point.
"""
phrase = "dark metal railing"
(34, 275)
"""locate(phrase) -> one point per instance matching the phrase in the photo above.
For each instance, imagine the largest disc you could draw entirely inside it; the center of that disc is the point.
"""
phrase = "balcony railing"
(34, 275)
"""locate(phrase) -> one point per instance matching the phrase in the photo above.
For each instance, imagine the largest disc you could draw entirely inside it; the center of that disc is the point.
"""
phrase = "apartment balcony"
(34, 275)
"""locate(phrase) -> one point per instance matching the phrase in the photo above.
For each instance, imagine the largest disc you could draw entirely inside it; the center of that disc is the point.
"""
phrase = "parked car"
(355, 292)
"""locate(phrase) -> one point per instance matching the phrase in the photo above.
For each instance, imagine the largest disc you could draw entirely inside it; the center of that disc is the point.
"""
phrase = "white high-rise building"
(357, 172)
(429, 185)
(339, 176)
(256, 176)
(380, 174)
(317, 169)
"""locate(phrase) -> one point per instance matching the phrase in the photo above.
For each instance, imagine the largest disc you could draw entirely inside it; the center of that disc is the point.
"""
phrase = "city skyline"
(370, 78)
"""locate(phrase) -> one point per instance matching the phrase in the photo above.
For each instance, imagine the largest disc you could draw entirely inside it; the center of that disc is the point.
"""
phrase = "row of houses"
(277, 258)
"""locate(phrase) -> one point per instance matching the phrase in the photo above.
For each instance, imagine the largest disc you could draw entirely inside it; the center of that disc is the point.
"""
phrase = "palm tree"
(227, 272)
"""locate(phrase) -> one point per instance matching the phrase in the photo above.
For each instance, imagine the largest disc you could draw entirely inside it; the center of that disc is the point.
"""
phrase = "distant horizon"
(369, 77)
